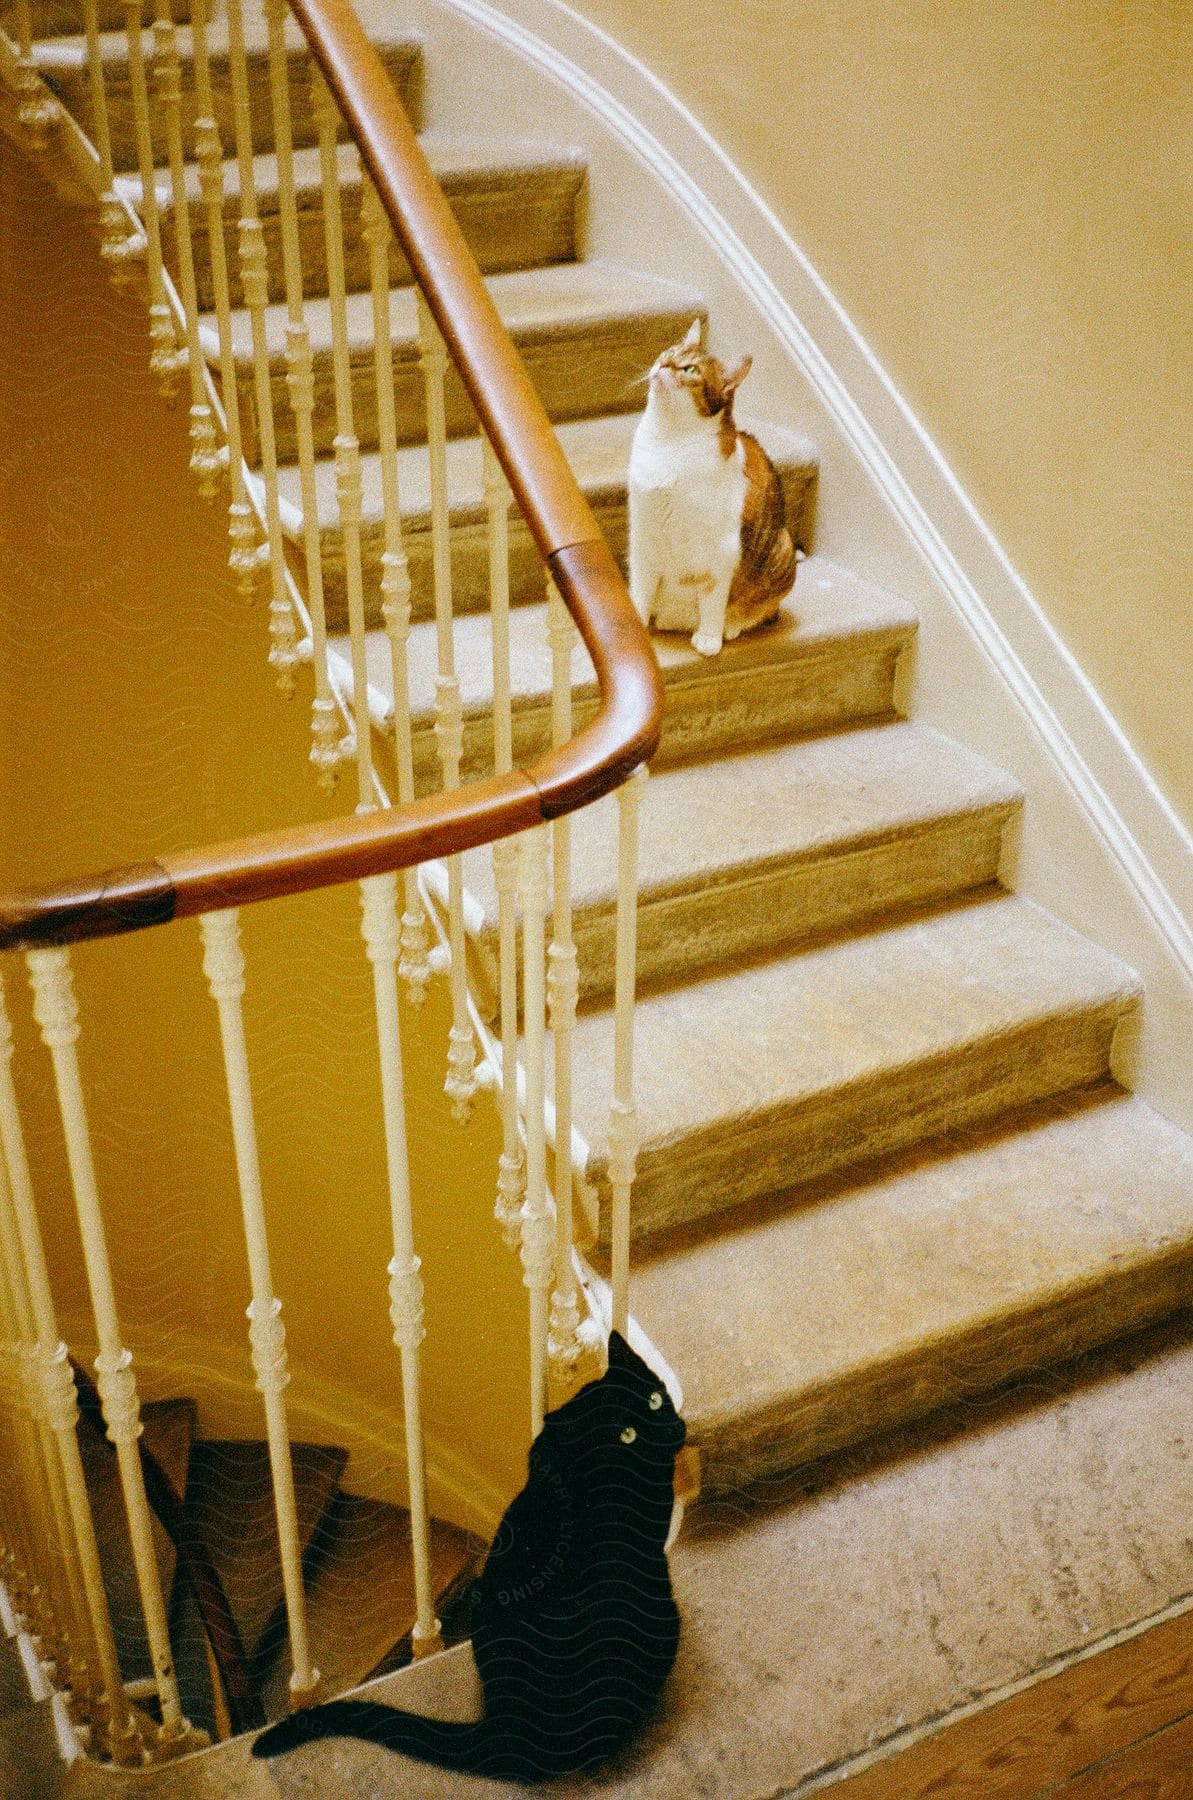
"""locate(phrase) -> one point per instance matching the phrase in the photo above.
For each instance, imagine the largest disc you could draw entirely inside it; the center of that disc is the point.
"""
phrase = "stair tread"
(360, 1601)
(229, 1501)
(831, 613)
(457, 158)
(831, 608)
(737, 1044)
(597, 448)
(69, 52)
(535, 305)
(799, 1307)
(704, 823)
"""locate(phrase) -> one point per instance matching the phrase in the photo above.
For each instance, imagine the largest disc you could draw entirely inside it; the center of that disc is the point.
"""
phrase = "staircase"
(356, 1564)
(884, 1161)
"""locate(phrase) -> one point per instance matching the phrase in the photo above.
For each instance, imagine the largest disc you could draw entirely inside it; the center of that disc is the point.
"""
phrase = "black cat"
(575, 1627)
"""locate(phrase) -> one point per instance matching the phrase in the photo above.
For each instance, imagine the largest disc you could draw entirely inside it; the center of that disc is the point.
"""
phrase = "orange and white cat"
(709, 550)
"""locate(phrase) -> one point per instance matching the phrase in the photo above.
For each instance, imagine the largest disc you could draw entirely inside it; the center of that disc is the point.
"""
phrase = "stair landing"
(838, 1611)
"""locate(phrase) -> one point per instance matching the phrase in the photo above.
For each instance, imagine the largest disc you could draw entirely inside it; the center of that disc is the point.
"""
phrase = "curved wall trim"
(1063, 740)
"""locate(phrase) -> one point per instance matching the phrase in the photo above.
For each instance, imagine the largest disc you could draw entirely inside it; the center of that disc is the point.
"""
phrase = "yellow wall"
(1000, 197)
(137, 713)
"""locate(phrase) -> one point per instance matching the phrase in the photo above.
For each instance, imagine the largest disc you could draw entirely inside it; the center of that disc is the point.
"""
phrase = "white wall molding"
(1103, 847)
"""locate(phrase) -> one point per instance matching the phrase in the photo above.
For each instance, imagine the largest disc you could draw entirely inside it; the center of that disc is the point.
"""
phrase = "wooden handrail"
(624, 731)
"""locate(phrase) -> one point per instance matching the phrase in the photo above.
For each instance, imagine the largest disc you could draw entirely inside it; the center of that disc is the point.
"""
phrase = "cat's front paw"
(707, 642)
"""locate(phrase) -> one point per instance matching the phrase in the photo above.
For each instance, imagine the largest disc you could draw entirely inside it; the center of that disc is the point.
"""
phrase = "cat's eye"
(655, 1401)
(628, 1435)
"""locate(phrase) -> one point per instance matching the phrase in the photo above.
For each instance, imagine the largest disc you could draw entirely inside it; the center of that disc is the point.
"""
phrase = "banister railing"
(522, 460)
(625, 730)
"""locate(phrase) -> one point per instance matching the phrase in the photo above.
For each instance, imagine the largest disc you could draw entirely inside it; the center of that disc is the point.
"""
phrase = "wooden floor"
(1118, 1726)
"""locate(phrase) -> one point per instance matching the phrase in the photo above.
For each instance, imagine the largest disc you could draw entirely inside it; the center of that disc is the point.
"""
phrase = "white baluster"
(380, 930)
(449, 717)
(63, 1616)
(254, 282)
(395, 575)
(538, 1220)
(223, 965)
(59, 1411)
(562, 993)
(623, 1116)
(326, 747)
(206, 460)
(37, 110)
(57, 1014)
(511, 1175)
(246, 556)
(165, 357)
(22, 1495)
(121, 245)
(345, 446)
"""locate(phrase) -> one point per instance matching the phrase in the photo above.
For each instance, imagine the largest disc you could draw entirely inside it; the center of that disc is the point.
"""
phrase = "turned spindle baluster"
(206, 459)
(623, 1115)
(246, 553)
(460, 1084)
(562, 992)
(395, 573)
(346, 447)
(326, 746)
(511, 1171)
(254, 283)
(112, 1723)
(538, 1218)
(379, 927)
(165, 356)
(57, 1014)
(37, 110)
(223, 965)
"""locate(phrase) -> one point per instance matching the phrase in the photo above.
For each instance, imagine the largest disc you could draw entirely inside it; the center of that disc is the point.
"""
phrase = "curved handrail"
(625, 729)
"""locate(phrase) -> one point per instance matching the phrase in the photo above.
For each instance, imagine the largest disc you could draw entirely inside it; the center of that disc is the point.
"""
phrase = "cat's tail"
(469, 1748)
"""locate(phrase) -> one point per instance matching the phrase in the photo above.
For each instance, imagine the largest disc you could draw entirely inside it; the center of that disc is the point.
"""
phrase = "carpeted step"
(515, 200)
(598, 450)
(776, 1073)
(168, 1433)
(586, 333)
(777, 844)
(360, 1596)
(842, 1314)
(63, 62)
(828, 661)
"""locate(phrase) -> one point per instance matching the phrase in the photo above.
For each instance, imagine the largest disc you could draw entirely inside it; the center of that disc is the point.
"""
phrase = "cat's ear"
(735, 376)
(692, 341)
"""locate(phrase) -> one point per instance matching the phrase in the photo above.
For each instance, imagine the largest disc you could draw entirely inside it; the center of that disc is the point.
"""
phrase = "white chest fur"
(685, 500)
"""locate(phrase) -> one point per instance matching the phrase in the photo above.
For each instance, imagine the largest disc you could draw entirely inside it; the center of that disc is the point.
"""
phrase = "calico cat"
(575, 1627)
(709, 550)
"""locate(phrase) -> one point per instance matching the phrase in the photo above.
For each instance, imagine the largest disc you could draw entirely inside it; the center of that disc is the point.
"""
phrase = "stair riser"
(769, 701)
(402, 62)
(692, 933)
(579, 372)
(840, 1414)
(470, 553)
(64, 18)
(708, 1172)
(520, 221)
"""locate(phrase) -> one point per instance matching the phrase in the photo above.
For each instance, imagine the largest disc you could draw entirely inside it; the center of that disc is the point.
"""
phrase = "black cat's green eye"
(655, 1401)
(628, 1435)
